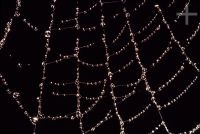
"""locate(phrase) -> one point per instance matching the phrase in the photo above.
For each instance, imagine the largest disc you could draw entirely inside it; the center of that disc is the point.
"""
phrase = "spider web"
(95, 71)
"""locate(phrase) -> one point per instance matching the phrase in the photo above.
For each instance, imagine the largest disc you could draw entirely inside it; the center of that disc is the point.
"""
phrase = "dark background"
(25, 46)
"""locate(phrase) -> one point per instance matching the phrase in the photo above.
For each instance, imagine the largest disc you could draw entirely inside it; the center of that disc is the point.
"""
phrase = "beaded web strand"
(121, 73)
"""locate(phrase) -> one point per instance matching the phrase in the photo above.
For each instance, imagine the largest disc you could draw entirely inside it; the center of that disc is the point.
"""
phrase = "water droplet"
(16, 94)
(35, 119)
(47, 33)
(19, 65)
(72, 117)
